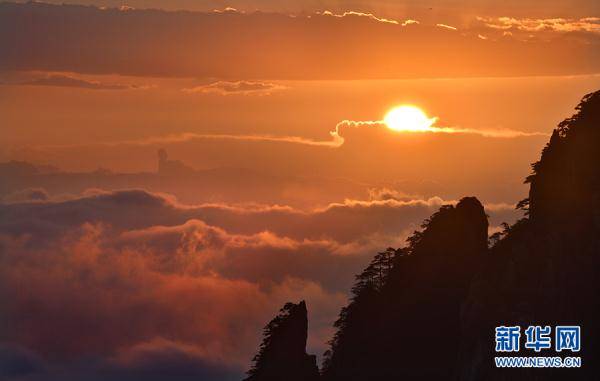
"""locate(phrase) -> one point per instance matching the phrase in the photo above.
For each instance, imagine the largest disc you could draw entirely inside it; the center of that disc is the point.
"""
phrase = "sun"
(408, 118)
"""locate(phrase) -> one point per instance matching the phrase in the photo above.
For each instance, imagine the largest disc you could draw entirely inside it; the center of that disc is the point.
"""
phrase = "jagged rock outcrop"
(545, 268)
(428, 311)
(393, 330)
(565, 182)
(282, 355)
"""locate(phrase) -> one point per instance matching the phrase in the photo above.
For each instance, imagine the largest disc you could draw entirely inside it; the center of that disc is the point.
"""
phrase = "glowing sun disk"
(408, 118)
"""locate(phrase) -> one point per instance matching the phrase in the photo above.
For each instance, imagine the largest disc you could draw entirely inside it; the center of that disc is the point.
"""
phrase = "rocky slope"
(282, 354)
(428, 311)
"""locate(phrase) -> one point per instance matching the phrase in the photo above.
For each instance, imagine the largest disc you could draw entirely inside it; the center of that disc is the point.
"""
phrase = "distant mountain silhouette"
(282, 354)
(428, 311)
(168, 167)
(221, 184)
(24, 169)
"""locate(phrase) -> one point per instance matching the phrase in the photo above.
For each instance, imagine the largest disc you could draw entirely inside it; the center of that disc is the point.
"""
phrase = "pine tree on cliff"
(282, 354)
(428, 311)
(388, 329)
(354, 321)
(544, 269)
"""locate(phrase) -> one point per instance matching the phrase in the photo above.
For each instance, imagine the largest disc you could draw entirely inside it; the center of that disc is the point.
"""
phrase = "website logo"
(538, 339)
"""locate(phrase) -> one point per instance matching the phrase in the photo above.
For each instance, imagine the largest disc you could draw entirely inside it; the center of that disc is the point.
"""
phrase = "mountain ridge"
(428, 310)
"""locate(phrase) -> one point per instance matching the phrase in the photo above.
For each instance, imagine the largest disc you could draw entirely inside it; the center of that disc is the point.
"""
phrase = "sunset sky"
(283, 174)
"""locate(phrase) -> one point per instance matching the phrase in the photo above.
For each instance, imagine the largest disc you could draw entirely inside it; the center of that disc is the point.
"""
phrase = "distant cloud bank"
(586, 24)
(237, 87)
(257, 46)
(62, 80)
(195, 283)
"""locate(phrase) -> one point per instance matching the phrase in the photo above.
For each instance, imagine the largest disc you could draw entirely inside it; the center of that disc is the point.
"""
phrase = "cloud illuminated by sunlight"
(359, 14)
(237, 87)
(404, 119)
(486, 132)
(587, 24)
(445, 26)
(411, 119)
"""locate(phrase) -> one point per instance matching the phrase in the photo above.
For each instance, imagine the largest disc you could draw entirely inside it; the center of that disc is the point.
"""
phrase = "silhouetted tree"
(428, 311)
(401, 292)
(544, 269)
(364, 296)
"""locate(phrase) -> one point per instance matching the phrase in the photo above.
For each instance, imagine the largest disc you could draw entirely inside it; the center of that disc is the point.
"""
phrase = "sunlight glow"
(408, 118)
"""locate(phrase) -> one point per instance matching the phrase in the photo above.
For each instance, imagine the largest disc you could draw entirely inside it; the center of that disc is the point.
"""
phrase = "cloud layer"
(184, 291)
(337, 134)
(350, 45)
(586, 24)
(62, 80)
(237, 87)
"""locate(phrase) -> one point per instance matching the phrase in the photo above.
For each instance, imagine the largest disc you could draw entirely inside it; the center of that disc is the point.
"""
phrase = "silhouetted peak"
(565, 181)
(457, 230)
(589, 109)
(291, 327)
(545, 266)
(171, 167)
(441, 289)
(420, 287)
(282, 354)
(470, 205)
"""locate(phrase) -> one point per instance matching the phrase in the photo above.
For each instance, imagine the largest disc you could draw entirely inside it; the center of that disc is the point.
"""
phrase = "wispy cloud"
(337, 135)
(183, 137)
(488, 133)
(587, 24)
(491, 133)
(237, 87)
(61, 80)
(410, 22)
(446, 26)
(188, 136)
(300, 50)
(359, 14)
(228, 10)
(337, 138)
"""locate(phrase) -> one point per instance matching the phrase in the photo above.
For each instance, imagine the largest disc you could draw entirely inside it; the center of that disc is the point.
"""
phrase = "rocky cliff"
(395, 330)
(545, 269)
(428, 311)
(282, 355)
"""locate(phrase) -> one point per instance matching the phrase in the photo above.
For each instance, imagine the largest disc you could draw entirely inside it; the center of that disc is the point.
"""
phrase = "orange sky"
(435, 8)
(278, 181)
(109, 128)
